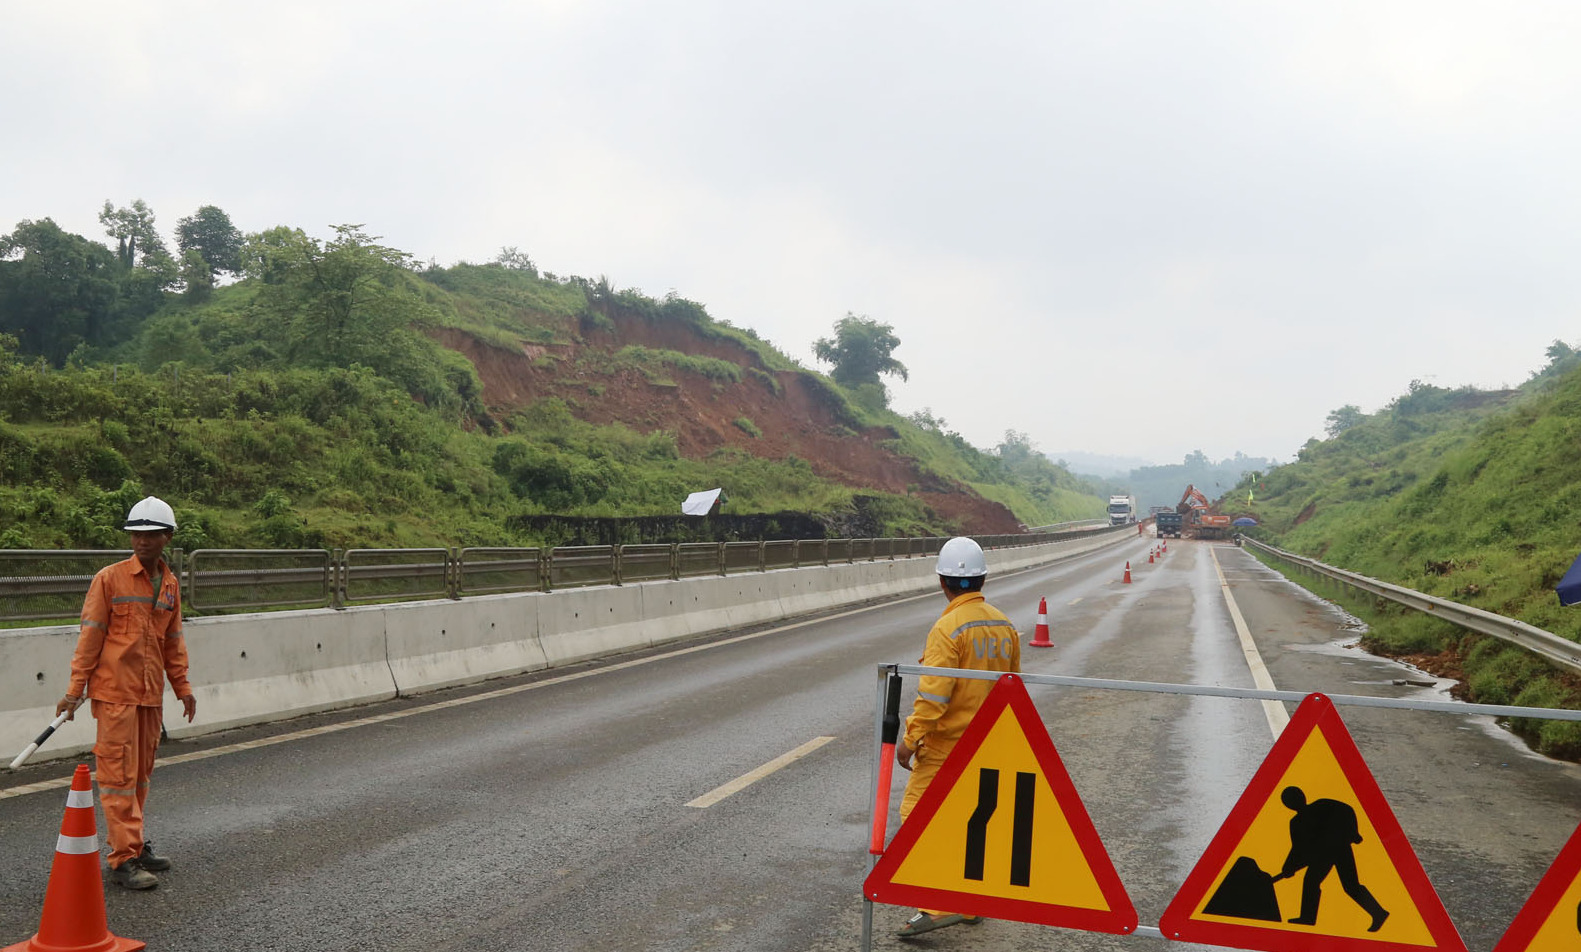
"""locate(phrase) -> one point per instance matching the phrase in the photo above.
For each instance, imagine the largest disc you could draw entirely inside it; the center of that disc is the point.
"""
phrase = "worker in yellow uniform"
(130, 640)
(971, 634)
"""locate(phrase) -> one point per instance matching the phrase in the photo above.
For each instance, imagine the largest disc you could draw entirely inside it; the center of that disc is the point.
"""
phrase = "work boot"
(151, 862)
(132, 875)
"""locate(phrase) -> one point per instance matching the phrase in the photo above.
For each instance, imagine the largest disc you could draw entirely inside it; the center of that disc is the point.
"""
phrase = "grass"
(1467, 496)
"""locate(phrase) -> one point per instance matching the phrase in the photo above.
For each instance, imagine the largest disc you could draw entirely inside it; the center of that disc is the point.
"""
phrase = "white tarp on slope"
(698, 504)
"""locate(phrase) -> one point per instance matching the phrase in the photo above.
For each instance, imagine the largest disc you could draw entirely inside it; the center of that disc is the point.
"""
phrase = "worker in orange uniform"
(129, 641)
(971, 634)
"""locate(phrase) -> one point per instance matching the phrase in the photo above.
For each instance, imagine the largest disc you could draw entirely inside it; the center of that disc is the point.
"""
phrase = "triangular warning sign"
(1001, 832)
(1551, 918)
(1312, 809)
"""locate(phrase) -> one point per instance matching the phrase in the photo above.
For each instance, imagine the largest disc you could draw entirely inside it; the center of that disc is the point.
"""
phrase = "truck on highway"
(1169, 523)
(1122, 510)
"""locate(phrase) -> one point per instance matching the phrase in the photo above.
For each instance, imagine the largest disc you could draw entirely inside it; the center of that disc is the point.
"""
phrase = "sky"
(1137, 229)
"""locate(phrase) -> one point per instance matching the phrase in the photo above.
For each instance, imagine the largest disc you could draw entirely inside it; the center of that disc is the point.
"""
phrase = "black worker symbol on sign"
(1323, 834)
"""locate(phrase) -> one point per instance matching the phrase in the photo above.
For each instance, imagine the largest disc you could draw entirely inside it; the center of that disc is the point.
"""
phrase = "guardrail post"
(544, 583)
(337, 579)
(615, 564)
(453, 573)
(675, 560)
(763, 558)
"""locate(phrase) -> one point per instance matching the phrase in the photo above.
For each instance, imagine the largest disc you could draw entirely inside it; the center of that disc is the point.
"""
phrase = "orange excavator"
(1199, 522)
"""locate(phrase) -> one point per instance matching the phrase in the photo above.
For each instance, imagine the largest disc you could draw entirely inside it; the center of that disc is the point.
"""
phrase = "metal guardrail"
(39, 584)
(1561, 651)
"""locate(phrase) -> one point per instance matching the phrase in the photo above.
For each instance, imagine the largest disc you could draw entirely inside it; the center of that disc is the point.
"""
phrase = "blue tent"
(1244, 521)
(1569, 587)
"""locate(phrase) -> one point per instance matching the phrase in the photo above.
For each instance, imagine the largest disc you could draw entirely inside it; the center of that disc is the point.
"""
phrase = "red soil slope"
(701, 412)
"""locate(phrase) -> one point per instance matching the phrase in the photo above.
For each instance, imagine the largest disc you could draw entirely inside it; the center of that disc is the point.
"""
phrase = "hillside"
(337, 394)
(1469, 495)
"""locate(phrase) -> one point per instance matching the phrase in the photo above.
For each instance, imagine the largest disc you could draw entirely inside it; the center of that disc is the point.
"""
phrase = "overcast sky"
(1138, 229)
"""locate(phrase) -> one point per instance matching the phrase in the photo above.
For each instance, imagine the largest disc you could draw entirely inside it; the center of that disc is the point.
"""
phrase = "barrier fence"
(38, 585)
(879, 798)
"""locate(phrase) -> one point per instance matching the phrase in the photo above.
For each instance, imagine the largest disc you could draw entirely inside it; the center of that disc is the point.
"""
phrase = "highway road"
(594, 808)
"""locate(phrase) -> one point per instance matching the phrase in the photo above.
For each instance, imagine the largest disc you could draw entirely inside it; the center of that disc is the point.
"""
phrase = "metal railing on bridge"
(48, 585)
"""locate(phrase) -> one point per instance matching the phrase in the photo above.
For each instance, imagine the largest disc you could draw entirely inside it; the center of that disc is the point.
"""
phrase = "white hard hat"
(962, 558)
(150, 515)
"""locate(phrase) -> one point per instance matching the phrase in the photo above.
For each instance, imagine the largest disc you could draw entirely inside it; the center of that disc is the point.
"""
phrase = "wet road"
(553, 812)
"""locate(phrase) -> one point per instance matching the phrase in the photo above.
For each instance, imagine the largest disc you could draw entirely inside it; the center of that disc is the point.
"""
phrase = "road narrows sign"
(1001, 832)
(1551, 918)
(1311, 858)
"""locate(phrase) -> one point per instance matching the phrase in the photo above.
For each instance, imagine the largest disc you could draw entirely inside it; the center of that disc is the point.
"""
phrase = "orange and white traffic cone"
(73, 918)
(1040, 634)
(1127, 578)
(1149, 556)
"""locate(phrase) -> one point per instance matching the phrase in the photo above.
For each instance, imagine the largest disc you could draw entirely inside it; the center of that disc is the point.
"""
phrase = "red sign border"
(1540, 905)
(1315, 713)
(1008, 691)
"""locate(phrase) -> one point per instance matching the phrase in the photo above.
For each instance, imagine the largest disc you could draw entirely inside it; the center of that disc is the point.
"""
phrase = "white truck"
(1122, 510)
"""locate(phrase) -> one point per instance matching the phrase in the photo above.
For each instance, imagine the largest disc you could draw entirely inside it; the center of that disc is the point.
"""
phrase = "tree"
(209, 232)
(861, 352)
(512, 259)
(57, 290)
(134, 233)
(196, 275)
(339, 302)
(1343, 419)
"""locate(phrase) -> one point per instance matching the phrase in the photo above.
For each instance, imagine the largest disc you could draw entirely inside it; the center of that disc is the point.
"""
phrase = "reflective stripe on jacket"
(129, 640)
(971, 634)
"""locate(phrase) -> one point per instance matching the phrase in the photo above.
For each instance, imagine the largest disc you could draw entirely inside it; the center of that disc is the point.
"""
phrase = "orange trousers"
(123, 762)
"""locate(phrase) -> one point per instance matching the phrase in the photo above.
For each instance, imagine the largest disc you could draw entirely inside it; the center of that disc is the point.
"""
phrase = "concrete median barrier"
(249, 669)
(438, 644)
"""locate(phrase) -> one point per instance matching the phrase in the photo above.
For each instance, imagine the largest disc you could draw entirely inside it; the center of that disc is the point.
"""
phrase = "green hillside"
(1473, 496)
(336, 393)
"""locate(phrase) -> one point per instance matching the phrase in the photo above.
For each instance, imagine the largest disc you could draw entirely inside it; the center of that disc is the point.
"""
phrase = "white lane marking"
(1274, 710)
(753, 776)
(1073, 601)
(61, 782)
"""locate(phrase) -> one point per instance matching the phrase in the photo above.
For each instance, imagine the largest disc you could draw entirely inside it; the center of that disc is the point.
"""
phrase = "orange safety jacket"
(971, 634)
(129, 638)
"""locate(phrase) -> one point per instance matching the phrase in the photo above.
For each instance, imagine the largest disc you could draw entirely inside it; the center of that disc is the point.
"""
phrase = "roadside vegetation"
(287, 391)
(1465, 494)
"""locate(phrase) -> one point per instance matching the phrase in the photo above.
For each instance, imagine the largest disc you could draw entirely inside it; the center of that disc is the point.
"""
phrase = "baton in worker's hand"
(28, 751)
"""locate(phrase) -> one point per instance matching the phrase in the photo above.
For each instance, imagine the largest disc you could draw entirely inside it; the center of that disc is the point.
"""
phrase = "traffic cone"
(1128, 572)
(1040, 634)
(73, 918)
(1149, 556)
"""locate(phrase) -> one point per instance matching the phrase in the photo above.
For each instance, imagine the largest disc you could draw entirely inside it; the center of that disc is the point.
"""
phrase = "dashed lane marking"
(753, 776)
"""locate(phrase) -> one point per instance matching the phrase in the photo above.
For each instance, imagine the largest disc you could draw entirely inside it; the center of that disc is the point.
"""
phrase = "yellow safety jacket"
(971, 634)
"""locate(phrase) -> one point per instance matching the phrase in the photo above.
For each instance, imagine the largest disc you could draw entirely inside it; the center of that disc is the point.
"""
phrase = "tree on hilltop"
(861, 352)
(209, 232)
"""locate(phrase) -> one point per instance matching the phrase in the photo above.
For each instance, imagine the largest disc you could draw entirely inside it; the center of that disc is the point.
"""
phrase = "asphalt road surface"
(582, 809)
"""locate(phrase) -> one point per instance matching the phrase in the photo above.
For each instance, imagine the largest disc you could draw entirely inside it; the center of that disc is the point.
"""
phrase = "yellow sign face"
(1005, 778)
(1311, 859)
(1268, 841)
(1001, 831)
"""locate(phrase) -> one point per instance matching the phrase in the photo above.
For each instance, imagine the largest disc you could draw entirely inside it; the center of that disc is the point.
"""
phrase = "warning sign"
(1311, 858)
(1001, 832)
(1551, 918)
